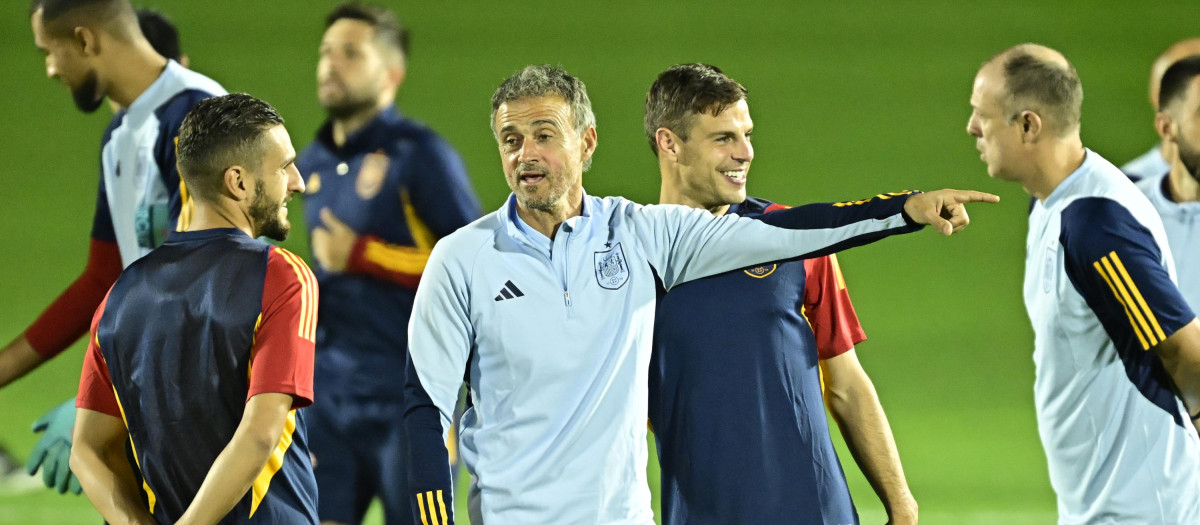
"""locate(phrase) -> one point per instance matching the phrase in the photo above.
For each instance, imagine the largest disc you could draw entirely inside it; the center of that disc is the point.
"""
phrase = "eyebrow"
(725, 133)
(288, 161)
(536, 123)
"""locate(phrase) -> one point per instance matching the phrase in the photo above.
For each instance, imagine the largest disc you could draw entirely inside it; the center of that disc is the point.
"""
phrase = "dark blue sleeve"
(838, 214)
(102, 225)
(439, 188)
(1115, 263)
(428, 462)
(170, 117)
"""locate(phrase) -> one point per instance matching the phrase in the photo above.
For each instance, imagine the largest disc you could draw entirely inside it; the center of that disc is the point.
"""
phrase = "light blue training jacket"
(554, 336)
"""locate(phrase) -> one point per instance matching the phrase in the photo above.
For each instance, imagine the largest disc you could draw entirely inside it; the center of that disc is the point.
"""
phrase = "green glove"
(53, 450)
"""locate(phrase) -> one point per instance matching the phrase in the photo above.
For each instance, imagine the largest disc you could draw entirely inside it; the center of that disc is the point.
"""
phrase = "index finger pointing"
(964, 196)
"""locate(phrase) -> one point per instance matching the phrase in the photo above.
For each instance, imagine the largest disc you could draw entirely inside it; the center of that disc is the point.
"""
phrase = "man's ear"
(237, 184)
(87, 41)
(589, 139)
(397, 73)
(1164, 125)
(668, 143)
(1031, 126)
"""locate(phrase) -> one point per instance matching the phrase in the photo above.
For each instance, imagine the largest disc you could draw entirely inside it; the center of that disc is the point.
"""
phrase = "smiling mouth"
(735, 176)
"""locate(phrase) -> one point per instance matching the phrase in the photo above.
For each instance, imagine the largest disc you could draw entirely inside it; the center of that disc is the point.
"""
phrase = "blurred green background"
(849, 98)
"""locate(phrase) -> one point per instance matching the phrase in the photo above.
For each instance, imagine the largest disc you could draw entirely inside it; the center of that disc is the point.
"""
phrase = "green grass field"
(850, 99)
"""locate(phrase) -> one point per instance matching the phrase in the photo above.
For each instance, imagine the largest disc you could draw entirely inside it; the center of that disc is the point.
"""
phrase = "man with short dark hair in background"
(97, 50)
(1120, 444)
(739, 358)
(163, 37)
(202, 352)
(1157, 161)
(1176, 192)
(382, 189)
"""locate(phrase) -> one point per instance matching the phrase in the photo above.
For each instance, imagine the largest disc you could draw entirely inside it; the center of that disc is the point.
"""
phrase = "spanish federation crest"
(612, 270)
(371, 175)
(760, 272)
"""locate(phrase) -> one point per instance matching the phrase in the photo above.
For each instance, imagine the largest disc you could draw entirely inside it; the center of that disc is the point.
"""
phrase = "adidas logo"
(510, 291)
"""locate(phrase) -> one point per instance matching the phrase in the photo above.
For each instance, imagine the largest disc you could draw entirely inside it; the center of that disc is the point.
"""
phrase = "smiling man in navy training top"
(735, 378)
(382, 189)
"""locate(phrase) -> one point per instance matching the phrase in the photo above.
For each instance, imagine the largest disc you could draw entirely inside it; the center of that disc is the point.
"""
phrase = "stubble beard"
(1189, 157)
(265, 216)
(85, 96)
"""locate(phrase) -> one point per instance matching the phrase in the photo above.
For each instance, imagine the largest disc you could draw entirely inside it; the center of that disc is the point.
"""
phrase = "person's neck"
(547, 222)
(346, 126)
(1060, 159)
(1182, 185)
(208, 216)
(139, 66)
(670, 192)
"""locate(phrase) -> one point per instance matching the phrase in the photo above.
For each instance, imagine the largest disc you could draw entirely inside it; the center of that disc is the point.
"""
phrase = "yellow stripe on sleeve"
(422, 236)
(421, 508)
(1132, 323)
(150, 498)
(1137, 295)
(399, 259)
(263, 482)
(307, 328)
(1129, 304)
(837, 270)
(442, 506)
(432, 516)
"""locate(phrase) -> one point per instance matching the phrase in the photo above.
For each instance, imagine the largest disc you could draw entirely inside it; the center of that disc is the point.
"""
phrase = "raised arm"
(686, 244)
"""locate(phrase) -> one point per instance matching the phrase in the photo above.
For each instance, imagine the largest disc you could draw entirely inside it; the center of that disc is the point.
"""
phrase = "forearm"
(236, 468)
(855, 407)
(17, 359)
(1180, 355)
(228, 480)
(401, 265)
(104, 472)
(428, 465)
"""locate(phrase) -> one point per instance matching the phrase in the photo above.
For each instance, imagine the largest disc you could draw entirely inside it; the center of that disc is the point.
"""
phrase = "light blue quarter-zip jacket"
(553, 338)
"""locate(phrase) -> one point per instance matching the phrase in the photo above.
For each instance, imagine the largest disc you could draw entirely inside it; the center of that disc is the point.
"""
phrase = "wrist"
(357, 262)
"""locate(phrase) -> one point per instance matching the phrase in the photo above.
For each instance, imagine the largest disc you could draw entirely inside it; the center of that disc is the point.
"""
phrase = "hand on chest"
(358, 191)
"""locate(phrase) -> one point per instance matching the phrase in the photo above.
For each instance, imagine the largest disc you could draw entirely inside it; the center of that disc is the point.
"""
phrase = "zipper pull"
(567, 297)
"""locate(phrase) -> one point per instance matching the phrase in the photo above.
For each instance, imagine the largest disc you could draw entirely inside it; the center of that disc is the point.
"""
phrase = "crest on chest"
(612, 269)
(371, 175)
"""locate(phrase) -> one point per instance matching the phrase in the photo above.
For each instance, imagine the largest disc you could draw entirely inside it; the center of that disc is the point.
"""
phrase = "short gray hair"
(544, 81)
(1051, 88)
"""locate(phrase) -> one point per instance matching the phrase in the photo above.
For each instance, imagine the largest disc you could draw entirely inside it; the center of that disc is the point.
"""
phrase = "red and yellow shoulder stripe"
(307, 328)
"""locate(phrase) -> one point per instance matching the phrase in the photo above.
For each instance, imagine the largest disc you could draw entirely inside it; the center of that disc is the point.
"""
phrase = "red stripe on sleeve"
(95, 385)
(402, 265)
(67, 317)
(828, 308)
(281, 361)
